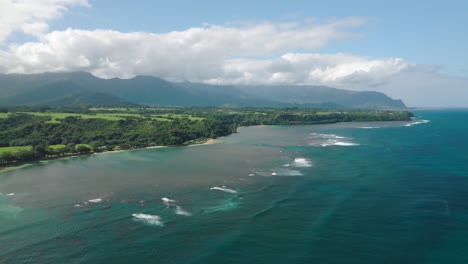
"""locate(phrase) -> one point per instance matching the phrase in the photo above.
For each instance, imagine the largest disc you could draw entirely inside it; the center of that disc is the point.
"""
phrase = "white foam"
(302, 162)
(181, 211)
(369, 127)
(326, 136)
(251, 174)
(167, 200)
(223, 189)
(98, 200)
(11, 194)
(417, 123)
(339, 143)
(326, 140)
(148, 219)
(345, 144)
(273, 173)
(77, 205)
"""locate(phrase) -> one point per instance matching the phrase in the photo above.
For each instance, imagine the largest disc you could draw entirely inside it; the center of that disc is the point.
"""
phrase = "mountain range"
(80, 88)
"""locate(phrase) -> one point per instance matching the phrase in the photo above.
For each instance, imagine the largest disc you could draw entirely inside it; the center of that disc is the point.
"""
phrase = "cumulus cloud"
(311, 68)
(243, 54)
(31, 16)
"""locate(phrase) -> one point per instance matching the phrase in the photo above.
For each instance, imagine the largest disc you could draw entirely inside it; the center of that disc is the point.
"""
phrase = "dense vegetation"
(50, 133)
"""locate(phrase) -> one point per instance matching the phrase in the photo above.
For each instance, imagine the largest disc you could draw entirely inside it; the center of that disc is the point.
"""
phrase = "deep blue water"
(394, 192)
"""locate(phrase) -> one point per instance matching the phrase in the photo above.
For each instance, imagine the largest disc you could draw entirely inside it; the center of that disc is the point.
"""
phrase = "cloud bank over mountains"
(238, 53)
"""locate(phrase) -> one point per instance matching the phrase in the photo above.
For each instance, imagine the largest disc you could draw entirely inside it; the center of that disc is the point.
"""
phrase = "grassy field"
(57, 146)
(14, 149)
(169, 116)
(86, 145)
(4, 115)
(56, 117)
(18, 148)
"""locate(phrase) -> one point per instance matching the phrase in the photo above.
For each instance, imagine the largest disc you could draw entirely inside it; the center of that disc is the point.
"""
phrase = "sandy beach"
(20, 166)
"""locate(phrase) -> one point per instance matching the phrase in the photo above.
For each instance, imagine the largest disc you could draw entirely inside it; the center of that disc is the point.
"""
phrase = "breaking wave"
(301, 162)
(148, 219)
(346, 144)
(223, 189)
(325, 140)
(180, 211)
(417, 123)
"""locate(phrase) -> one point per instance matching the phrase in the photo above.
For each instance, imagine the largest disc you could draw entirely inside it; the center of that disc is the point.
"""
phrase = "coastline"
(18, 166)
(196, 142)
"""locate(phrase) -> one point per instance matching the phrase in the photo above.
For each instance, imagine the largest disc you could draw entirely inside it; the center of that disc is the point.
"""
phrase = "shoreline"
(18, 166)
(208, 141)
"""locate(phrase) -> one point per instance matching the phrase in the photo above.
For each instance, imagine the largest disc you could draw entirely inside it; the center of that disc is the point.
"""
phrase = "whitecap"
(273, 173)
(11, 194)
(98, 200)
(345, 144)
(223, 189)
(369, 127)
(339, 143)
(417, 123)
(251, 175)
(302, 162)
(326, 136)
(180, 211)
(77, 205)
(148, 219)
(326, 140)
(167, 200)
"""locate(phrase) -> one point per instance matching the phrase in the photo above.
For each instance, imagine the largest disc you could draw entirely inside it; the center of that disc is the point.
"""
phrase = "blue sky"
(412, 50)
(424, 32)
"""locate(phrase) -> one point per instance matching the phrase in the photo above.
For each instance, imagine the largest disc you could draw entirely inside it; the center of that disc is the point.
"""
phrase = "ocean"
(376, 192)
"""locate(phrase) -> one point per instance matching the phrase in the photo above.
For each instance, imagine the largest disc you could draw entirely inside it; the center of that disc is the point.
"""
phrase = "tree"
(8, 157)
(83, 149)
(40, 150)
(25, 155)
(71, 148)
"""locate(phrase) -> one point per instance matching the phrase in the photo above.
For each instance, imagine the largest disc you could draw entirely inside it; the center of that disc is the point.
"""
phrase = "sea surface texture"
(393, 192)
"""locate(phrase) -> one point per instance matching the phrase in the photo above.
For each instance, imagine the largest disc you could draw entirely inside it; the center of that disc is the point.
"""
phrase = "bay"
(379, 192)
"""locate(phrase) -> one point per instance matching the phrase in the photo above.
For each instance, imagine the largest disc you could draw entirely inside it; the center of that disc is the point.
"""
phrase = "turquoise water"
(344, 193)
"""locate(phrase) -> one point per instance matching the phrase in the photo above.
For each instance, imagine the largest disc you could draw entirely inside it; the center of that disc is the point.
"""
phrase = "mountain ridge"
(84, 88)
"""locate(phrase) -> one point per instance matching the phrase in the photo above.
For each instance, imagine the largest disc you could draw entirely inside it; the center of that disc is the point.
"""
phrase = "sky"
(410, 50)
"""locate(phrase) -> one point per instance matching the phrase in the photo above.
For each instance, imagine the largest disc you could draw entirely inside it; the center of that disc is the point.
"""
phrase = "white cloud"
(249, 53)
(309, 68)
(31, 16)
(207, 54)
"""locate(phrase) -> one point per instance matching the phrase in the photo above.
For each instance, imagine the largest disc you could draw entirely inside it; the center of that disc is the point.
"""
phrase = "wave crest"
(223, 189)
(302, 162)
(148, 219)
